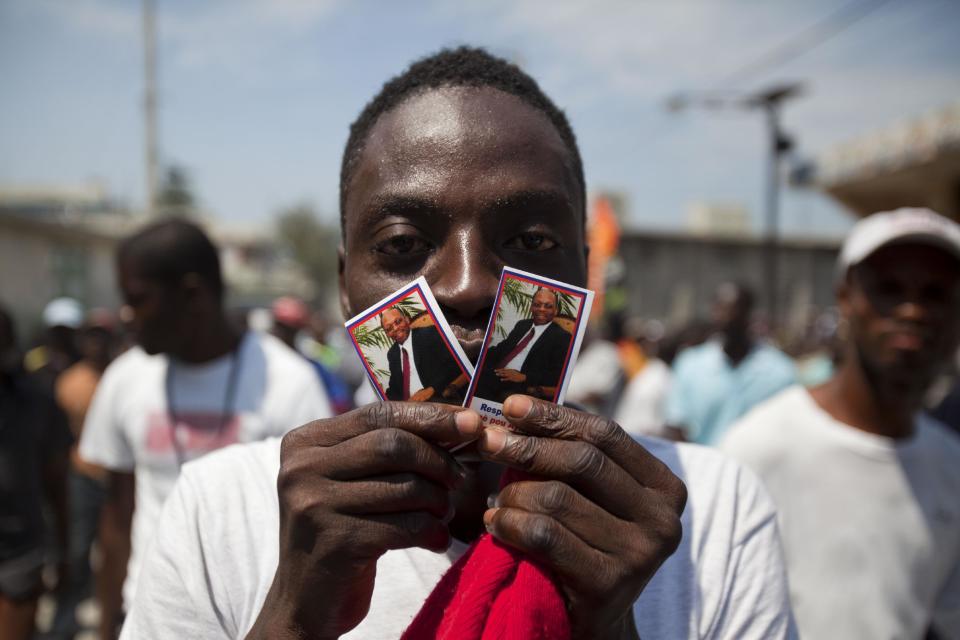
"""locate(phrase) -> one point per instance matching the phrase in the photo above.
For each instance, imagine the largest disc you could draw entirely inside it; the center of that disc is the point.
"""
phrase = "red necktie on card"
(517, 349)
(493, 592)
(406, 373)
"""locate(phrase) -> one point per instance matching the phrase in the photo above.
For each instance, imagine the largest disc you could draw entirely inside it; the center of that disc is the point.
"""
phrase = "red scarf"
(493, 592)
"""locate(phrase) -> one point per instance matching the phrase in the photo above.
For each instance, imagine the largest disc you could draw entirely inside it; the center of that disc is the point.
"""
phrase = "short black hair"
(460, 67)
(168, 250)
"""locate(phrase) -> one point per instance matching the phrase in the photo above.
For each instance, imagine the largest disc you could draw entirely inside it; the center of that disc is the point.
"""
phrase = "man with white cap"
(867, 487)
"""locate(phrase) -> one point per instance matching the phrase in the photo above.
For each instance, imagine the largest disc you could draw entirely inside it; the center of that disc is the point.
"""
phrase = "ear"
(843, 294)
(342, 283)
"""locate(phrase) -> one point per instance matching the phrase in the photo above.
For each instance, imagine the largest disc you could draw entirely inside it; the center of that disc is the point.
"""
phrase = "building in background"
(672, 276)
(910, 164)
(61, 241)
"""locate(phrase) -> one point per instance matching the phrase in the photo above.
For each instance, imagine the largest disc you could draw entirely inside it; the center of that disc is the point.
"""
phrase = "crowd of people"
(202, 477)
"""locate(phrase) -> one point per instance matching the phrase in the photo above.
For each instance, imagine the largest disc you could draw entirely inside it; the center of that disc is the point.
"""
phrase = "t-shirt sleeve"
(755, 601)
(104, 441)
(173, 601)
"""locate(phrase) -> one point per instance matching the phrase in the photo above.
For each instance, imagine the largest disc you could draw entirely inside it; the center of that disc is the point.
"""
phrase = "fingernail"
(517, 406)
(488, 519)
(467, 422)
(493, 441)
(492, 500)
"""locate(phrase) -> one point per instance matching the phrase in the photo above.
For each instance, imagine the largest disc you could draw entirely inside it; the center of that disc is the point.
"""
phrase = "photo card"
(408, 350)
(532, 340)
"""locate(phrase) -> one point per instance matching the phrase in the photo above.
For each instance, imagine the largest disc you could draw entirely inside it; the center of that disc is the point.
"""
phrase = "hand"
(603, 519)
(510, 375)
(423, 395)
(351, 488)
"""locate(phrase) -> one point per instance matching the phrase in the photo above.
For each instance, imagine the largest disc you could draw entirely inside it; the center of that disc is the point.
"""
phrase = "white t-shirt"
(870, 525)
(216, 551)
(642, 408)
(128, 427)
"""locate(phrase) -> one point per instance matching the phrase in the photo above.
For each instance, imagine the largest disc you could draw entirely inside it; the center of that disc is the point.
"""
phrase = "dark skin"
(902, 307)
(185, 320)
(453, 184)
(732, 308)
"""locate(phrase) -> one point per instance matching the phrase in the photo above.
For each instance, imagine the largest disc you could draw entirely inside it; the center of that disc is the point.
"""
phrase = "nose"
(464, 278)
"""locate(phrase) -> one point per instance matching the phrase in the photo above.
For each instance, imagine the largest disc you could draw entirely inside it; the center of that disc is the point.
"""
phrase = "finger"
(434, 422)
(597, 528)
(378, 453)
(576, 564)
(542, 418)
(395, 493)
(378, 533)
(579, 464)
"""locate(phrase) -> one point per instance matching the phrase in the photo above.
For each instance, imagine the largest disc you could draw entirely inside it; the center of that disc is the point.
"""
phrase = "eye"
(531, 241)
(402, 245)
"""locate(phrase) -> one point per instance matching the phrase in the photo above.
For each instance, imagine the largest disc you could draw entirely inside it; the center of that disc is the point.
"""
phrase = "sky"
(256, 96)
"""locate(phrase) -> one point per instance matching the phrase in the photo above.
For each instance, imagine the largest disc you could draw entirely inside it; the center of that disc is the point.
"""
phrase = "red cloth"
(493, 592)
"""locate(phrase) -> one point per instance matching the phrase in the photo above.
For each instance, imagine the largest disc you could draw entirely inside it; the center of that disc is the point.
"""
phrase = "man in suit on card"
(422, 368)
(530, 359)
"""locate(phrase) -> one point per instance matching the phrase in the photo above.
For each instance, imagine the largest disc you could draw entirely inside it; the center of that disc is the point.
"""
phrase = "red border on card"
(493, 318)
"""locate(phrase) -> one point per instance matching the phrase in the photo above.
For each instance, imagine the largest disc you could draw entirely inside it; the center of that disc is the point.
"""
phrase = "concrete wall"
(672, 277)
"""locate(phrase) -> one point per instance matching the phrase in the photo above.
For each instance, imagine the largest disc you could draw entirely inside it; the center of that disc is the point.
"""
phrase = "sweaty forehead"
(459, 142)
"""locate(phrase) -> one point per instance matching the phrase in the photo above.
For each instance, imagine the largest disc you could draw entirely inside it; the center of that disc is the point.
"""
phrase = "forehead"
(390, 314)
(457, 146)
(545, 294)
(912, 260)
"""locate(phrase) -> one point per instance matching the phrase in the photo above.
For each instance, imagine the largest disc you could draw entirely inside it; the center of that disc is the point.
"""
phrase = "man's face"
(395, 324)
(454, 184)
(731, 311)
(903, 307)
(157, 315)
(544, 306)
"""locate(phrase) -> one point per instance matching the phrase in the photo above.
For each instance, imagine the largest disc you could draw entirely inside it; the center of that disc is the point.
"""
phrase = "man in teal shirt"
(717, 382)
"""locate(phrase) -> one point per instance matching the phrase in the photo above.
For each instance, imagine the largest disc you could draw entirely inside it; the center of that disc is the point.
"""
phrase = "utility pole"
(150, 105)
(770, 102)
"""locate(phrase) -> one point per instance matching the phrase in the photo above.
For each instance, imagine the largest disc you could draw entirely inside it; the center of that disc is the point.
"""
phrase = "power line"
(810, 38)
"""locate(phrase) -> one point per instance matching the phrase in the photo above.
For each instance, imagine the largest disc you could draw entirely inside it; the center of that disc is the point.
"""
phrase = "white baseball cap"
(63, 312)
(913, 225)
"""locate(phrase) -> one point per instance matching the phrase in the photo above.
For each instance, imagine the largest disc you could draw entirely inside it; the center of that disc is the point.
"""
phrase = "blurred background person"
(867, 487)
(641, 407)
(194, 384)
(62, 317)
(75, 387)
(34, 446)
(598, 375)
(291, 317)
(717, 382)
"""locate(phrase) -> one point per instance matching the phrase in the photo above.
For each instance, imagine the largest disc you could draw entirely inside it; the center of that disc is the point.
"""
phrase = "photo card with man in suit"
(532, 341)
(408, 350)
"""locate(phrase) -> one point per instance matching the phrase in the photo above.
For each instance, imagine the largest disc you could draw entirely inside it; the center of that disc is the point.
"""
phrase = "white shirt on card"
(516, 363)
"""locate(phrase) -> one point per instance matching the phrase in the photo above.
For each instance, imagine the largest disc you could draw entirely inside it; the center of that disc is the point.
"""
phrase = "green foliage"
(311, 243)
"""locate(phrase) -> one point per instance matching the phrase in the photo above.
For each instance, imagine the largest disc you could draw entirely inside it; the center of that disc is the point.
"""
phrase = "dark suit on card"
(542, 366)
(436, 366)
